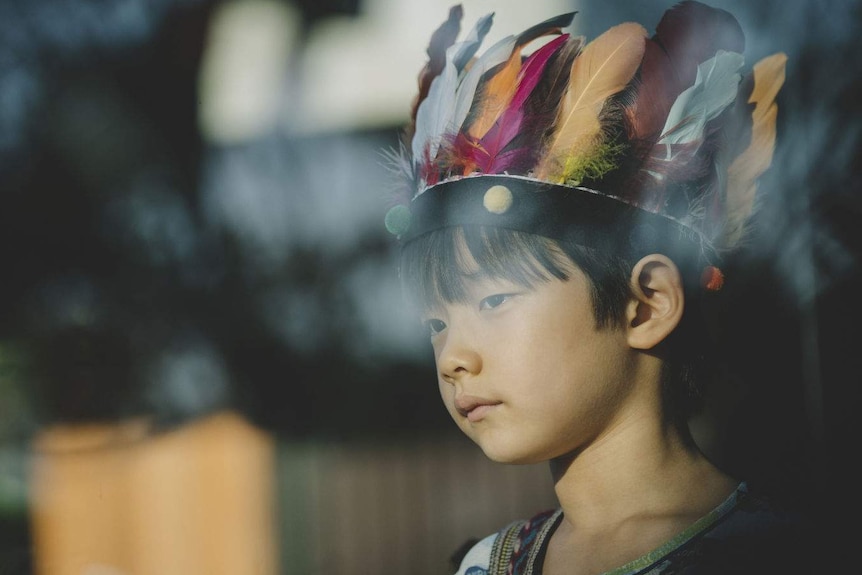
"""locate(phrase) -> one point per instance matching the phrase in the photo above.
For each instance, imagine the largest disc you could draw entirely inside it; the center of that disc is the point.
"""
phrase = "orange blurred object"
(116, 499)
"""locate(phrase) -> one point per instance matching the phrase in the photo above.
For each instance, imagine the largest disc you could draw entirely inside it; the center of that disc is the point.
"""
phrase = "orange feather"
(496, 95)
(603, 68)
(750, 164)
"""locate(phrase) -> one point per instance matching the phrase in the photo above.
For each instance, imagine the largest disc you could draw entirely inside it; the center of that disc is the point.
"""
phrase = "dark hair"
(433, 269)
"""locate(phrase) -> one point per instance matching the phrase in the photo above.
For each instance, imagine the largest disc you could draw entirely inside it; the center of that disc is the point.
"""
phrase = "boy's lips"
(474, 408)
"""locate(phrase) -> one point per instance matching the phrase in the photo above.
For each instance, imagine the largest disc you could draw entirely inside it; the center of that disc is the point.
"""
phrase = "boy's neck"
(639, 468)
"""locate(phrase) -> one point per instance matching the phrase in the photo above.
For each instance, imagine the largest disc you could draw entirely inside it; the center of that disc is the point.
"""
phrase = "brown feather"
(443, 37)
(688, 34)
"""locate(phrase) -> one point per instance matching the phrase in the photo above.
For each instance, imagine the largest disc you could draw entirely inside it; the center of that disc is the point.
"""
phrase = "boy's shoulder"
(751, 533)
(760, 535)
(514, 544)
(474, 557)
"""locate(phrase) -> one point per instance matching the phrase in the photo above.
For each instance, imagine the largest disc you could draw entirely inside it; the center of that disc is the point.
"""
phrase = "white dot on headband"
(497, 199)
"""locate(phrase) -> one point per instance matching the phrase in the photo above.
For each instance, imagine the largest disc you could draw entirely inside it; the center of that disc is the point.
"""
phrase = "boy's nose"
(458, 360)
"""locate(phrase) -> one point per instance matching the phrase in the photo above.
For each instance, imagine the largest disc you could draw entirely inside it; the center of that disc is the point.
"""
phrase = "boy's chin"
(509, 454)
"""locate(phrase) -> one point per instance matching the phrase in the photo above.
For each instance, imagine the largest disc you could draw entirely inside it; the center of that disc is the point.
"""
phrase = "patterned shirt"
(744, 534)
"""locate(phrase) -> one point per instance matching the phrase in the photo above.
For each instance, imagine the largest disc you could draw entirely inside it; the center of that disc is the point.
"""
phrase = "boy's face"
(525, 373)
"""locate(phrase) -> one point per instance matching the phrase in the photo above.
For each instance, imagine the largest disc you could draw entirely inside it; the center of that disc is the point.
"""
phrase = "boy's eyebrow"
(474, 276)
(482, 280)
(471, 280)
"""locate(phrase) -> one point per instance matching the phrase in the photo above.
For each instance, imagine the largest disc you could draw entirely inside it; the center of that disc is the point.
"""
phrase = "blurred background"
(206, 366)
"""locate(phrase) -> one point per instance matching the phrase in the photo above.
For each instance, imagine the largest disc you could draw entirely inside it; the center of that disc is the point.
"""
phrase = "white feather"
(435, 114)
(714, 89)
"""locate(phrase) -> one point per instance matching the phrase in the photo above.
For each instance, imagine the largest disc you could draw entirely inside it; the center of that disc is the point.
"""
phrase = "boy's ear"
(657, 302)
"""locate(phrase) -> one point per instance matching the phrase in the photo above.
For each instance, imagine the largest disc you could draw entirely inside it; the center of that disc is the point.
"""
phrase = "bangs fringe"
(436, 267)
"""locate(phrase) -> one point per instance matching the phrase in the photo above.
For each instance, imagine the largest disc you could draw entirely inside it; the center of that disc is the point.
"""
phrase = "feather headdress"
(667, 129)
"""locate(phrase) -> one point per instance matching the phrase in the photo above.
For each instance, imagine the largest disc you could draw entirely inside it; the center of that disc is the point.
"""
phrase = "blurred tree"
(130, 297)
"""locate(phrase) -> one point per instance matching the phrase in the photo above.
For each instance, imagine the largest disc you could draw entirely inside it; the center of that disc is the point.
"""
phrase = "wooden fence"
(397, 508)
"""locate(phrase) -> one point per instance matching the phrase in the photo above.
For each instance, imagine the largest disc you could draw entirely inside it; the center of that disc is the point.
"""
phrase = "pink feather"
(491, 155)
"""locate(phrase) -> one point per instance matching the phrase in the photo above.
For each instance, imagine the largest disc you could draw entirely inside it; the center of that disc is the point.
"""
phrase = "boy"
(564, 215)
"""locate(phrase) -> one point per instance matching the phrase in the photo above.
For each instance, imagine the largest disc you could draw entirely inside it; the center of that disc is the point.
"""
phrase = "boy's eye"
(434, 326)
(493, 301)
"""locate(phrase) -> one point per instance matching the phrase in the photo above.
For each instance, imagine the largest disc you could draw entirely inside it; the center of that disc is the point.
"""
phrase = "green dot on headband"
(397, 220)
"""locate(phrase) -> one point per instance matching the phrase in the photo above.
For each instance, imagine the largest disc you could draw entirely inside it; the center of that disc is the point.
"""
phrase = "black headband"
(579, 215)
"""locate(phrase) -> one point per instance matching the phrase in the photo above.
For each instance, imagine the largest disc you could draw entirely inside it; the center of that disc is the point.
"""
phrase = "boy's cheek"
(447, 394)
(437, 346)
